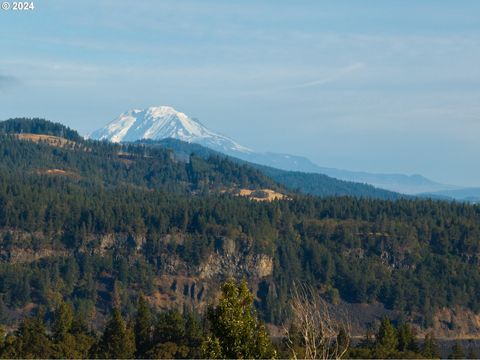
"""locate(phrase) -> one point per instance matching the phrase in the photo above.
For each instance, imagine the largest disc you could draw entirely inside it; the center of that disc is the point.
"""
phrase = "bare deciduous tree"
(317, 330)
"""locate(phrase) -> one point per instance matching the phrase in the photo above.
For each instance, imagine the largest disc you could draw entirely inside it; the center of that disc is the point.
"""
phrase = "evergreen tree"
(236, 333)
(193, 335)
(117, 342)
(30, 340)
(143, 327)
(168, 350)
(430, 348)
(386, 340)
(170, 327)
(406, 338)
(71, 339)
(63, 319)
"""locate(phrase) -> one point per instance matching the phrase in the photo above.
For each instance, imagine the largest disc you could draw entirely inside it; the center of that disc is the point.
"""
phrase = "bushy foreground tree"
(236, 332)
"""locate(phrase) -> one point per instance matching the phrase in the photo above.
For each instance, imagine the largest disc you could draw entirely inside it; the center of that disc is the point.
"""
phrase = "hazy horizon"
(377, 86)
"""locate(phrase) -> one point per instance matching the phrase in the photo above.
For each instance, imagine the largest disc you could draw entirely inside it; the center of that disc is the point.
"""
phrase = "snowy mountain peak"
(161, 122)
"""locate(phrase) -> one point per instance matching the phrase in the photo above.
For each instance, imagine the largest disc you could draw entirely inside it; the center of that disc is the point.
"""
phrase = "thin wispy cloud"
(330, 78)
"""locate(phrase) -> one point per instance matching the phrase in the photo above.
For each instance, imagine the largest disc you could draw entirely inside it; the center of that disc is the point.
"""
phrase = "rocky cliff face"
(197, 286)
(181, 284)
(456, 323)
(177, 284)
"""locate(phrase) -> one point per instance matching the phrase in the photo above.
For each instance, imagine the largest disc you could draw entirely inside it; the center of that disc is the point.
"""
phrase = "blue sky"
(380, 86)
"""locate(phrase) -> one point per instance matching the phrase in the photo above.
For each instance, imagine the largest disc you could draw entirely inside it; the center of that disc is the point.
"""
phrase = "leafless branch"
(319, 330)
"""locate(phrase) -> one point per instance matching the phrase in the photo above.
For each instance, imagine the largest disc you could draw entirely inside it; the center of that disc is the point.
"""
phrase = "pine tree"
(31, 340)
(143, 327)
(235, 330)
(63, 319)
(193, 335)
(406, 338)
(430, 347)
(70, 340)
(170, 327)
(386, 340)
(117, 341)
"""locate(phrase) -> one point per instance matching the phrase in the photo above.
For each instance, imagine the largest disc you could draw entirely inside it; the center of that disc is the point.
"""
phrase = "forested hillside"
(98, 224)
(307, 183)
(38, 126)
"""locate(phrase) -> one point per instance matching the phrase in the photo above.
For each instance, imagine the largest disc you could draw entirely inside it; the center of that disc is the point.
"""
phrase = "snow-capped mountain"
(163, 122)
(157, 123)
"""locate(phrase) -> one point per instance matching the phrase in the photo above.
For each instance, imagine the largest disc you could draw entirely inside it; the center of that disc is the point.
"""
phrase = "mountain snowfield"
(162, 122)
